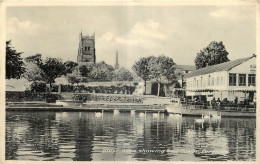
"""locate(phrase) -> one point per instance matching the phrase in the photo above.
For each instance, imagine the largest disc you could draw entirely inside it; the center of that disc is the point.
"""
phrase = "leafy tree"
(36, 59)
(162, 70)
(102, 72)
(70, 66)
(84, 69)
(33, 72)
(52, 68)
(72, 78)
(123, 74)
(214, 53)
(141, 68)
(14, 64)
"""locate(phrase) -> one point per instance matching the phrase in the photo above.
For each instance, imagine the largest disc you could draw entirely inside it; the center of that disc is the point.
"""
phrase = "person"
(218, 102)
(213, 102)
(236, 99)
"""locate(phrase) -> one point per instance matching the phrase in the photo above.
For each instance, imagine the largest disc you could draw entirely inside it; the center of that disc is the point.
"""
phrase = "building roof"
(218, 68)
(185, 67)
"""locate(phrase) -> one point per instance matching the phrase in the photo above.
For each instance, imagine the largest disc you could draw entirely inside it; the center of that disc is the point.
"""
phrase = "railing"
(224, 107)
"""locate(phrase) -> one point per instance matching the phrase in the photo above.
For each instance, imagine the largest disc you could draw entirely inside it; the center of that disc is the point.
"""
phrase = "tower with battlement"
(86, 51)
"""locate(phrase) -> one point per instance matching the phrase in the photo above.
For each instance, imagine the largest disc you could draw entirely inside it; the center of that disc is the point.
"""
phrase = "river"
(87, 136)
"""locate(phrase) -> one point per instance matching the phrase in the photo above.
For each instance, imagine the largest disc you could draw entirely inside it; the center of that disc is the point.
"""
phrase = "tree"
(162, 70)
(102, 72)
(84, 69)
(33, 71)
(36, 59)
(14, 65)
(141, 68)
(70, 66)
(214, 53)
(72, 78)
(52, 68)
(123, 74)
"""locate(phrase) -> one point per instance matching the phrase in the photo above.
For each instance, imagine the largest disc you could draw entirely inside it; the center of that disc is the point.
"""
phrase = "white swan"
(156, 115)
(200, 120)
(98, 114)
(178, 115)
(132, 112)
(116, 112)
(141, 114)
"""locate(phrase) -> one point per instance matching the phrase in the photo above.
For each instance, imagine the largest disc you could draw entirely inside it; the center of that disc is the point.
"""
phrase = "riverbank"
(70, 106)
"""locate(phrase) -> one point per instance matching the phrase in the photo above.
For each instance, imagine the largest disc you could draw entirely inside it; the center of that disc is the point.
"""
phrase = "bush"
(37, 86)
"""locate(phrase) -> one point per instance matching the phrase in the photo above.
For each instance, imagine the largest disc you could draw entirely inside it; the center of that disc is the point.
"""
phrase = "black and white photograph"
(130, 82)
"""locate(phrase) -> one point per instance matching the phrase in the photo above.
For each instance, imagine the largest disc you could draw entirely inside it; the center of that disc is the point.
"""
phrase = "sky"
(179, 32)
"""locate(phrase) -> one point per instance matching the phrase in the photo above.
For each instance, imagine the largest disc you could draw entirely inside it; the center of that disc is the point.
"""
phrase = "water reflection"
(81, 136)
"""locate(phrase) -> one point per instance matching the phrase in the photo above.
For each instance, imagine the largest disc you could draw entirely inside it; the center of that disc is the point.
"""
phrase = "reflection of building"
(231, 79)
(86, 51)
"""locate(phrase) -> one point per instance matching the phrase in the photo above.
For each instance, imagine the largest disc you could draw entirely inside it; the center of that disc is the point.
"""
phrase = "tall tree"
(36, 59)
(123, 74)
(33, 71)
(84, 69)
(162, 70)
(70, 66)
(14, 64)
(52, 68)
(214, 53)
(101, 72)
(141, 68)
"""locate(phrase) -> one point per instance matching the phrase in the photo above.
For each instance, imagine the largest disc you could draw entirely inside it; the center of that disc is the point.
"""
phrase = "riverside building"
(234, 81)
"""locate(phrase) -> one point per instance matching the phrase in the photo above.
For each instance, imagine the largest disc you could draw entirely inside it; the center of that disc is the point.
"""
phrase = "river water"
(87, 136)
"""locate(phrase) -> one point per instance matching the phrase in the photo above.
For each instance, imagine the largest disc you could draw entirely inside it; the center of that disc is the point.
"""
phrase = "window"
(85, 48)
(212, 81)
(232, 79)
(242, 79)
(251, 80)
(88, 48)
(217, 81)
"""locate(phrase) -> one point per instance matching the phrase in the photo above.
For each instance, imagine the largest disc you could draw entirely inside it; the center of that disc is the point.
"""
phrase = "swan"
(98, 114)
(116, 112)
(200, 120)
(141, 114)
(156, 115)
(178, 115)
(216, 116)
(132, 112)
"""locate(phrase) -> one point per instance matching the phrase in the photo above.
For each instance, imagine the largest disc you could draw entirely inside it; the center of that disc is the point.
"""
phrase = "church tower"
(117, 64)
(86, 51)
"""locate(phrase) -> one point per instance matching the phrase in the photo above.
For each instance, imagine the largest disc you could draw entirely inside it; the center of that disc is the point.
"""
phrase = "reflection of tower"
(117, 64)
(86, 51)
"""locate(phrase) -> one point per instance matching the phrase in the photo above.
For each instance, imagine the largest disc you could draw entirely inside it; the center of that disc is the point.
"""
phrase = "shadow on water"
(82, 136)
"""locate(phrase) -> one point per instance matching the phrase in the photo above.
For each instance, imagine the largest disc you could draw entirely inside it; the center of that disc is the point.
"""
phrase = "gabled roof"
(185, 67)
(218, 68)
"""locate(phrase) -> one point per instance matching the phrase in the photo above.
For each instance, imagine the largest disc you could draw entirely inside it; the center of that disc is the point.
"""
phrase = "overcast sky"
(177, 31)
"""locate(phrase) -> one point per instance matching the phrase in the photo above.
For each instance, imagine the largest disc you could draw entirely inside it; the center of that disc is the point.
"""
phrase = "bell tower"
(87, 50)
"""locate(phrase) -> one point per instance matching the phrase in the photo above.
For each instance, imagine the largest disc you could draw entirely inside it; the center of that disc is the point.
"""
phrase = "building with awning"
(227, 80)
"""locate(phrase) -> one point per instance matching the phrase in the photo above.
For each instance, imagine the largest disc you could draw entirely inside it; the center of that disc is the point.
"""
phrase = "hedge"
(29, 96)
